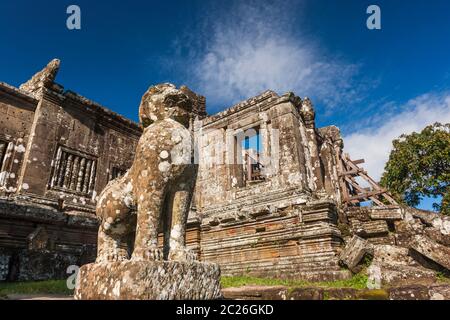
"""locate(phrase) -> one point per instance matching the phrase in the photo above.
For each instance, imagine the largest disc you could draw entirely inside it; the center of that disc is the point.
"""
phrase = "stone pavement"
(407, 292)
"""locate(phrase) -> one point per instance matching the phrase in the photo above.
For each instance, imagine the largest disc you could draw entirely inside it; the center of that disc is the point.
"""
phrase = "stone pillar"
(331, 143)
(42, 143)
(308, 116)
(291, 160)
(266, 158)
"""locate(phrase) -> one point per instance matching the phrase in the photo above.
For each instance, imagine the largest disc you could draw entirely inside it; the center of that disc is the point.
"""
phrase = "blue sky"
(373, 84)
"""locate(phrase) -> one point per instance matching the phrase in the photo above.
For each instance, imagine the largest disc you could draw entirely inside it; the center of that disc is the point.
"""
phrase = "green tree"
(419, 166)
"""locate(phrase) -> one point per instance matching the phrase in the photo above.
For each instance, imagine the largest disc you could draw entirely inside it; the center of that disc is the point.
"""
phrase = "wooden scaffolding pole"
(352, 192)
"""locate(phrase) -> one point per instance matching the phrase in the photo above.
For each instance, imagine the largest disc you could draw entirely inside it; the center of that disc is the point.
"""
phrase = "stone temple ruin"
(275, 196)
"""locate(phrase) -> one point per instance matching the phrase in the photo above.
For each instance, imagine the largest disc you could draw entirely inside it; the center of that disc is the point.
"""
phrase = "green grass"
(358, 281)
(37, 287)
(442, 277)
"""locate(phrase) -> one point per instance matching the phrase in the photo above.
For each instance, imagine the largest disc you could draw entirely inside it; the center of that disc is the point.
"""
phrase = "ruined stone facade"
(284, 223)
(58, 150)
(270, 198)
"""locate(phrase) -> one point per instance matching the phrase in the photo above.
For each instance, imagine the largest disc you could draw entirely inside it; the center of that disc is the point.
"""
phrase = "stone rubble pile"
(406, 245)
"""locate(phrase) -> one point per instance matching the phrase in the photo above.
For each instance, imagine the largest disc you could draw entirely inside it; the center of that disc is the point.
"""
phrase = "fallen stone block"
(256, 293)
(432, 219)
(385, 213)
(407, 229)
(354, 252)
(437, 236)
(442, 224)
(431, 250)
(440, 292)
(414, 292)
(426, 217)
(409, 226)
(394, 265)
(392, 255)
(340, 294)
(400, 275)
(370, 228)
(388, 239)
(306, 294)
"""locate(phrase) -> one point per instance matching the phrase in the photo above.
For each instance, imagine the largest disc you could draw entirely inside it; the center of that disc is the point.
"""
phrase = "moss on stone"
(442, 277)
(378, 294)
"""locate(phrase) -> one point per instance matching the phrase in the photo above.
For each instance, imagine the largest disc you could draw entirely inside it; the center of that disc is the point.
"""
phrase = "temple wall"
(74, 151)
(278, 221)
(61, 151)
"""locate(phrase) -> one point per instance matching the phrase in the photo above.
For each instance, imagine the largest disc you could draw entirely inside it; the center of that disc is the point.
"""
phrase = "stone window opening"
(251, 149)
(73, 172)
(253, 167)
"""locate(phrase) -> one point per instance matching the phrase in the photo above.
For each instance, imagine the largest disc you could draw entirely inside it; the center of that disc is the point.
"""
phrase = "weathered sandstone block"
(253, 292)
(414, 292)
(381, 213)
(144, 280)
(370, 228)
(431, 219)
(432, 250)
(440, 292)
(354, 252)
(397, 274)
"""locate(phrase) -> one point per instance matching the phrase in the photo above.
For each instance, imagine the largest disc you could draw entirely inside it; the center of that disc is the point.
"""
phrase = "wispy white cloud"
(255, 47)
(375, 144)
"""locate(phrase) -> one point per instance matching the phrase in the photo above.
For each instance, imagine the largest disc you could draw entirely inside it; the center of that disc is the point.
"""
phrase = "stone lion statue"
(156, 192)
